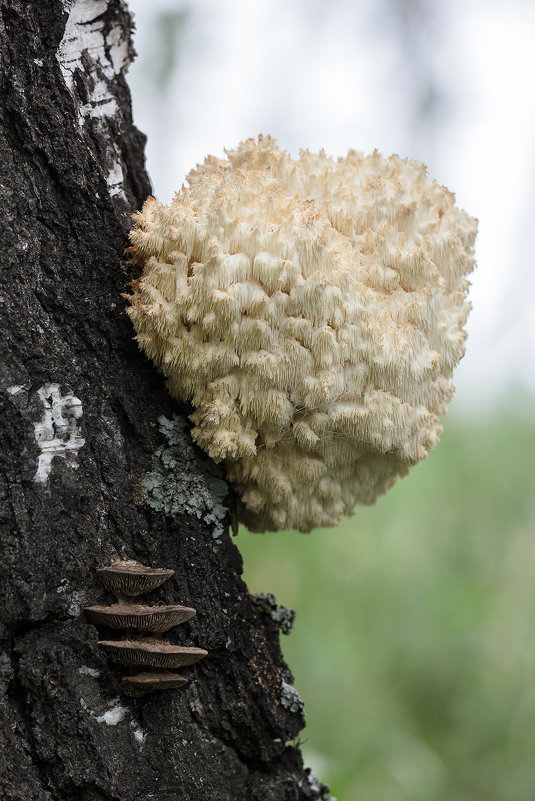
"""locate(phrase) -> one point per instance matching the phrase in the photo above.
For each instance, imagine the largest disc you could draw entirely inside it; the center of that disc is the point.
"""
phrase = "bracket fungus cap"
(131, 578)
(137, 616)
(154, 654)
(312, 310)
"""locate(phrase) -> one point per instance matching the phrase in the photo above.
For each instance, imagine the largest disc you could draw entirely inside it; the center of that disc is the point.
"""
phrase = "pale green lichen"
(180, 481)
(283, 617)
(290, 698)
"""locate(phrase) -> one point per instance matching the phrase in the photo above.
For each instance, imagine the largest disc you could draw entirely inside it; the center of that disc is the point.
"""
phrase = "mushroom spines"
(312, 310)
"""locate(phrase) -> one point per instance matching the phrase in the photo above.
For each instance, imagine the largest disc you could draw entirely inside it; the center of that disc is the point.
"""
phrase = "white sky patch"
(16, 389)
(84, 33)
(113, 716)
(57, 433)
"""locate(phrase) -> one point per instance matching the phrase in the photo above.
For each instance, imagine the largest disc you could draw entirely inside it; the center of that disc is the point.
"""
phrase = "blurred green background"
(414, 645)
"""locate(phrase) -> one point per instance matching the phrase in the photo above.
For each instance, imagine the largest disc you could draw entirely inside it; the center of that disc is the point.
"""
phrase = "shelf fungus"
(155, 654)
(135, 616)
(312, 310)
(129, 579)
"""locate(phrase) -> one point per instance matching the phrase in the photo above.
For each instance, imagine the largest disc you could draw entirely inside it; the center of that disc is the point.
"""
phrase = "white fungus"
(312, 311)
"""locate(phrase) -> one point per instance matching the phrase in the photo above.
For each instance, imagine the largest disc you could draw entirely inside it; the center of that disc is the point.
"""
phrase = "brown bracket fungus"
(135, 616)
(155, 654)
(312, 311)
(128, 579)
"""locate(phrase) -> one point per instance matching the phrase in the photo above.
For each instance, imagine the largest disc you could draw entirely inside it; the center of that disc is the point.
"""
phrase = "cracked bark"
(72, 172)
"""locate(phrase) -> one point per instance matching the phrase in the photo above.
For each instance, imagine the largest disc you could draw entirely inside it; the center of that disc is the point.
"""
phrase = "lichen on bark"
(281, 615)
(181, 481)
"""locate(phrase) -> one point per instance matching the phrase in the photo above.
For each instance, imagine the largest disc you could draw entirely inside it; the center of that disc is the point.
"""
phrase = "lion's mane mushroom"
(312, 311)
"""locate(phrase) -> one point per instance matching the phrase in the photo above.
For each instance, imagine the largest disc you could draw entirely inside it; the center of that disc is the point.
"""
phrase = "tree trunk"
(80, 432)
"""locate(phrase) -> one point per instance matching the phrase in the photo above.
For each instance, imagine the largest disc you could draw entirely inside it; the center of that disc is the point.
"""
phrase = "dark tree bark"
(79, 431)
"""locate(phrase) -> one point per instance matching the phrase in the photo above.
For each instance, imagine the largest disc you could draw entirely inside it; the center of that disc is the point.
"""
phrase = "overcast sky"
(452, 85)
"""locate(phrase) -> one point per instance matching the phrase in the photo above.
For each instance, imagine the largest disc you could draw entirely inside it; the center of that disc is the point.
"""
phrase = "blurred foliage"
(167, 29)
(414, 645)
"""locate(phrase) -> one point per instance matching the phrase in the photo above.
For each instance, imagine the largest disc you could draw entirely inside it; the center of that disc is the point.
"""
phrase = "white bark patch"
(115, 713)
(113, 716)
(139, 736)
(78, 601)
(88, 671)
(115, 175)
(108, 55)
(83, 33)
(57, 433)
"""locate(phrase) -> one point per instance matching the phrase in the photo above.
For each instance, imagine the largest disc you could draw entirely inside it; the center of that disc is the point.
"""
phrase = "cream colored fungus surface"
(313, 311)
